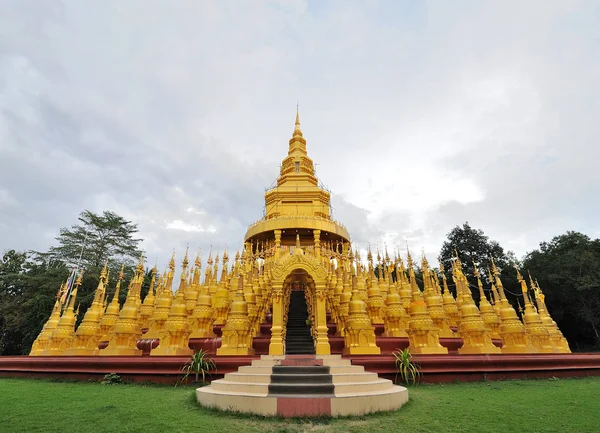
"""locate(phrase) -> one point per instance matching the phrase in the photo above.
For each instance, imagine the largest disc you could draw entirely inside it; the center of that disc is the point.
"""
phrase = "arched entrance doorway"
(298, 317)
(295, 275)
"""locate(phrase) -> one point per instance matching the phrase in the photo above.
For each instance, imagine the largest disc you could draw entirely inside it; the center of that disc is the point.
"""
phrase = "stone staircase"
(298, 339)
(303, 385)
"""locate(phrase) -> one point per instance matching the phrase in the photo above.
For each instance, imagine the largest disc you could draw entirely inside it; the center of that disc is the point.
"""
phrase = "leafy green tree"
(98, 238)
(568, 271)
(28, 288)
(473, 245)
(101, 237)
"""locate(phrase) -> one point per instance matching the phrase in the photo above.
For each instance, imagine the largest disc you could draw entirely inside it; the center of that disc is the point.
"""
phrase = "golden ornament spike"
(297, 130)
(198, 261)
(79, 279)
(104, 271)
(186, 260)
(140, 266)
(494, 268)
(409, 260)
(209, 262)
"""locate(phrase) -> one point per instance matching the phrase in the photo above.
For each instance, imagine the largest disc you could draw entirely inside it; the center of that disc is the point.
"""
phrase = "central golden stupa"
(298, 259)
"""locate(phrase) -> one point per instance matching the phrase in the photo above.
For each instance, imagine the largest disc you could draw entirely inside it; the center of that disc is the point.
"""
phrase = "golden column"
(277, 234)
(276, 344)
(317, 236)
(322, 346)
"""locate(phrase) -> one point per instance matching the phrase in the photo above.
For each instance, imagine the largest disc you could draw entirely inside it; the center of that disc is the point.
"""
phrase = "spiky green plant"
(200, 364)
(406, 368)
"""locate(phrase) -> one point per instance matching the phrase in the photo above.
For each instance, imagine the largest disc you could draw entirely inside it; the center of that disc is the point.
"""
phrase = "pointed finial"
(424, 262)
(409, 260)
(103, 273)
(297, 131)
(519, 276)
(297, 241)
(140, 266)
(494, 268)
(186, 261)
(79, 279)
(172, 262)
(121, 272)
(198, 262)
(537, 286)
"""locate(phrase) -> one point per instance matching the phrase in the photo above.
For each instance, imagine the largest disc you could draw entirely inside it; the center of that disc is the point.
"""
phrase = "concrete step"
(333, 369)
(307, 370)
(362, 387)
(252, 376)
(301, 378)
(239, 387)
(369, 402)
(353, 377)
(297, 389)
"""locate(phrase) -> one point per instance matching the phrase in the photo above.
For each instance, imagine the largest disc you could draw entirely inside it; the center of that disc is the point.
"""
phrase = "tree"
(472, 245)
(101, 237)
(568, 271)
(28, 290)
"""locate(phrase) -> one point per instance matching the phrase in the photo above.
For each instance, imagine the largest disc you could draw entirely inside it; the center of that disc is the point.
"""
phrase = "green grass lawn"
(566, 405)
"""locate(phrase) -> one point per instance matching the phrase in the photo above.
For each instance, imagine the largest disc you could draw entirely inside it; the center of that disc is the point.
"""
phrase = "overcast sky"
(420, 115)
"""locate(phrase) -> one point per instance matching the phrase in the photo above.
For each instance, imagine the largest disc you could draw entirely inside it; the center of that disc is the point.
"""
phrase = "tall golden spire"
(297, 130)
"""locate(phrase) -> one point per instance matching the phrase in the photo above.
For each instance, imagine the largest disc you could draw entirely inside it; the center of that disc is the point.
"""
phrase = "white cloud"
(183, 226)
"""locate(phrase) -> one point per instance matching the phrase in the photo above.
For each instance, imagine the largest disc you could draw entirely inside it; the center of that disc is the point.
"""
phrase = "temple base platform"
(434, 368)
(302, 386)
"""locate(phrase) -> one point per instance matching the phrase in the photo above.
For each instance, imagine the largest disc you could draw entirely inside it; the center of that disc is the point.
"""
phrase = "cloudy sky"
(421, 115)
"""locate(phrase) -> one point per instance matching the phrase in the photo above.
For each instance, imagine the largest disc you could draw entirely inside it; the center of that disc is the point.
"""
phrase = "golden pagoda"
(355, 307)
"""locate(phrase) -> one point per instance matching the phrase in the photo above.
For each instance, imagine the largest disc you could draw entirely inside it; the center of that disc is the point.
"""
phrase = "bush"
(112, 379)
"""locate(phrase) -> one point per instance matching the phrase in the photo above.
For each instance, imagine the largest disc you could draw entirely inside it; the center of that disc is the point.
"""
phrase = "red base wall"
(434, 368)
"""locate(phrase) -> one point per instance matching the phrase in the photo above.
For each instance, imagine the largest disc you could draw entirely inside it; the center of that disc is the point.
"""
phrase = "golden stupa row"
(297, 246)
